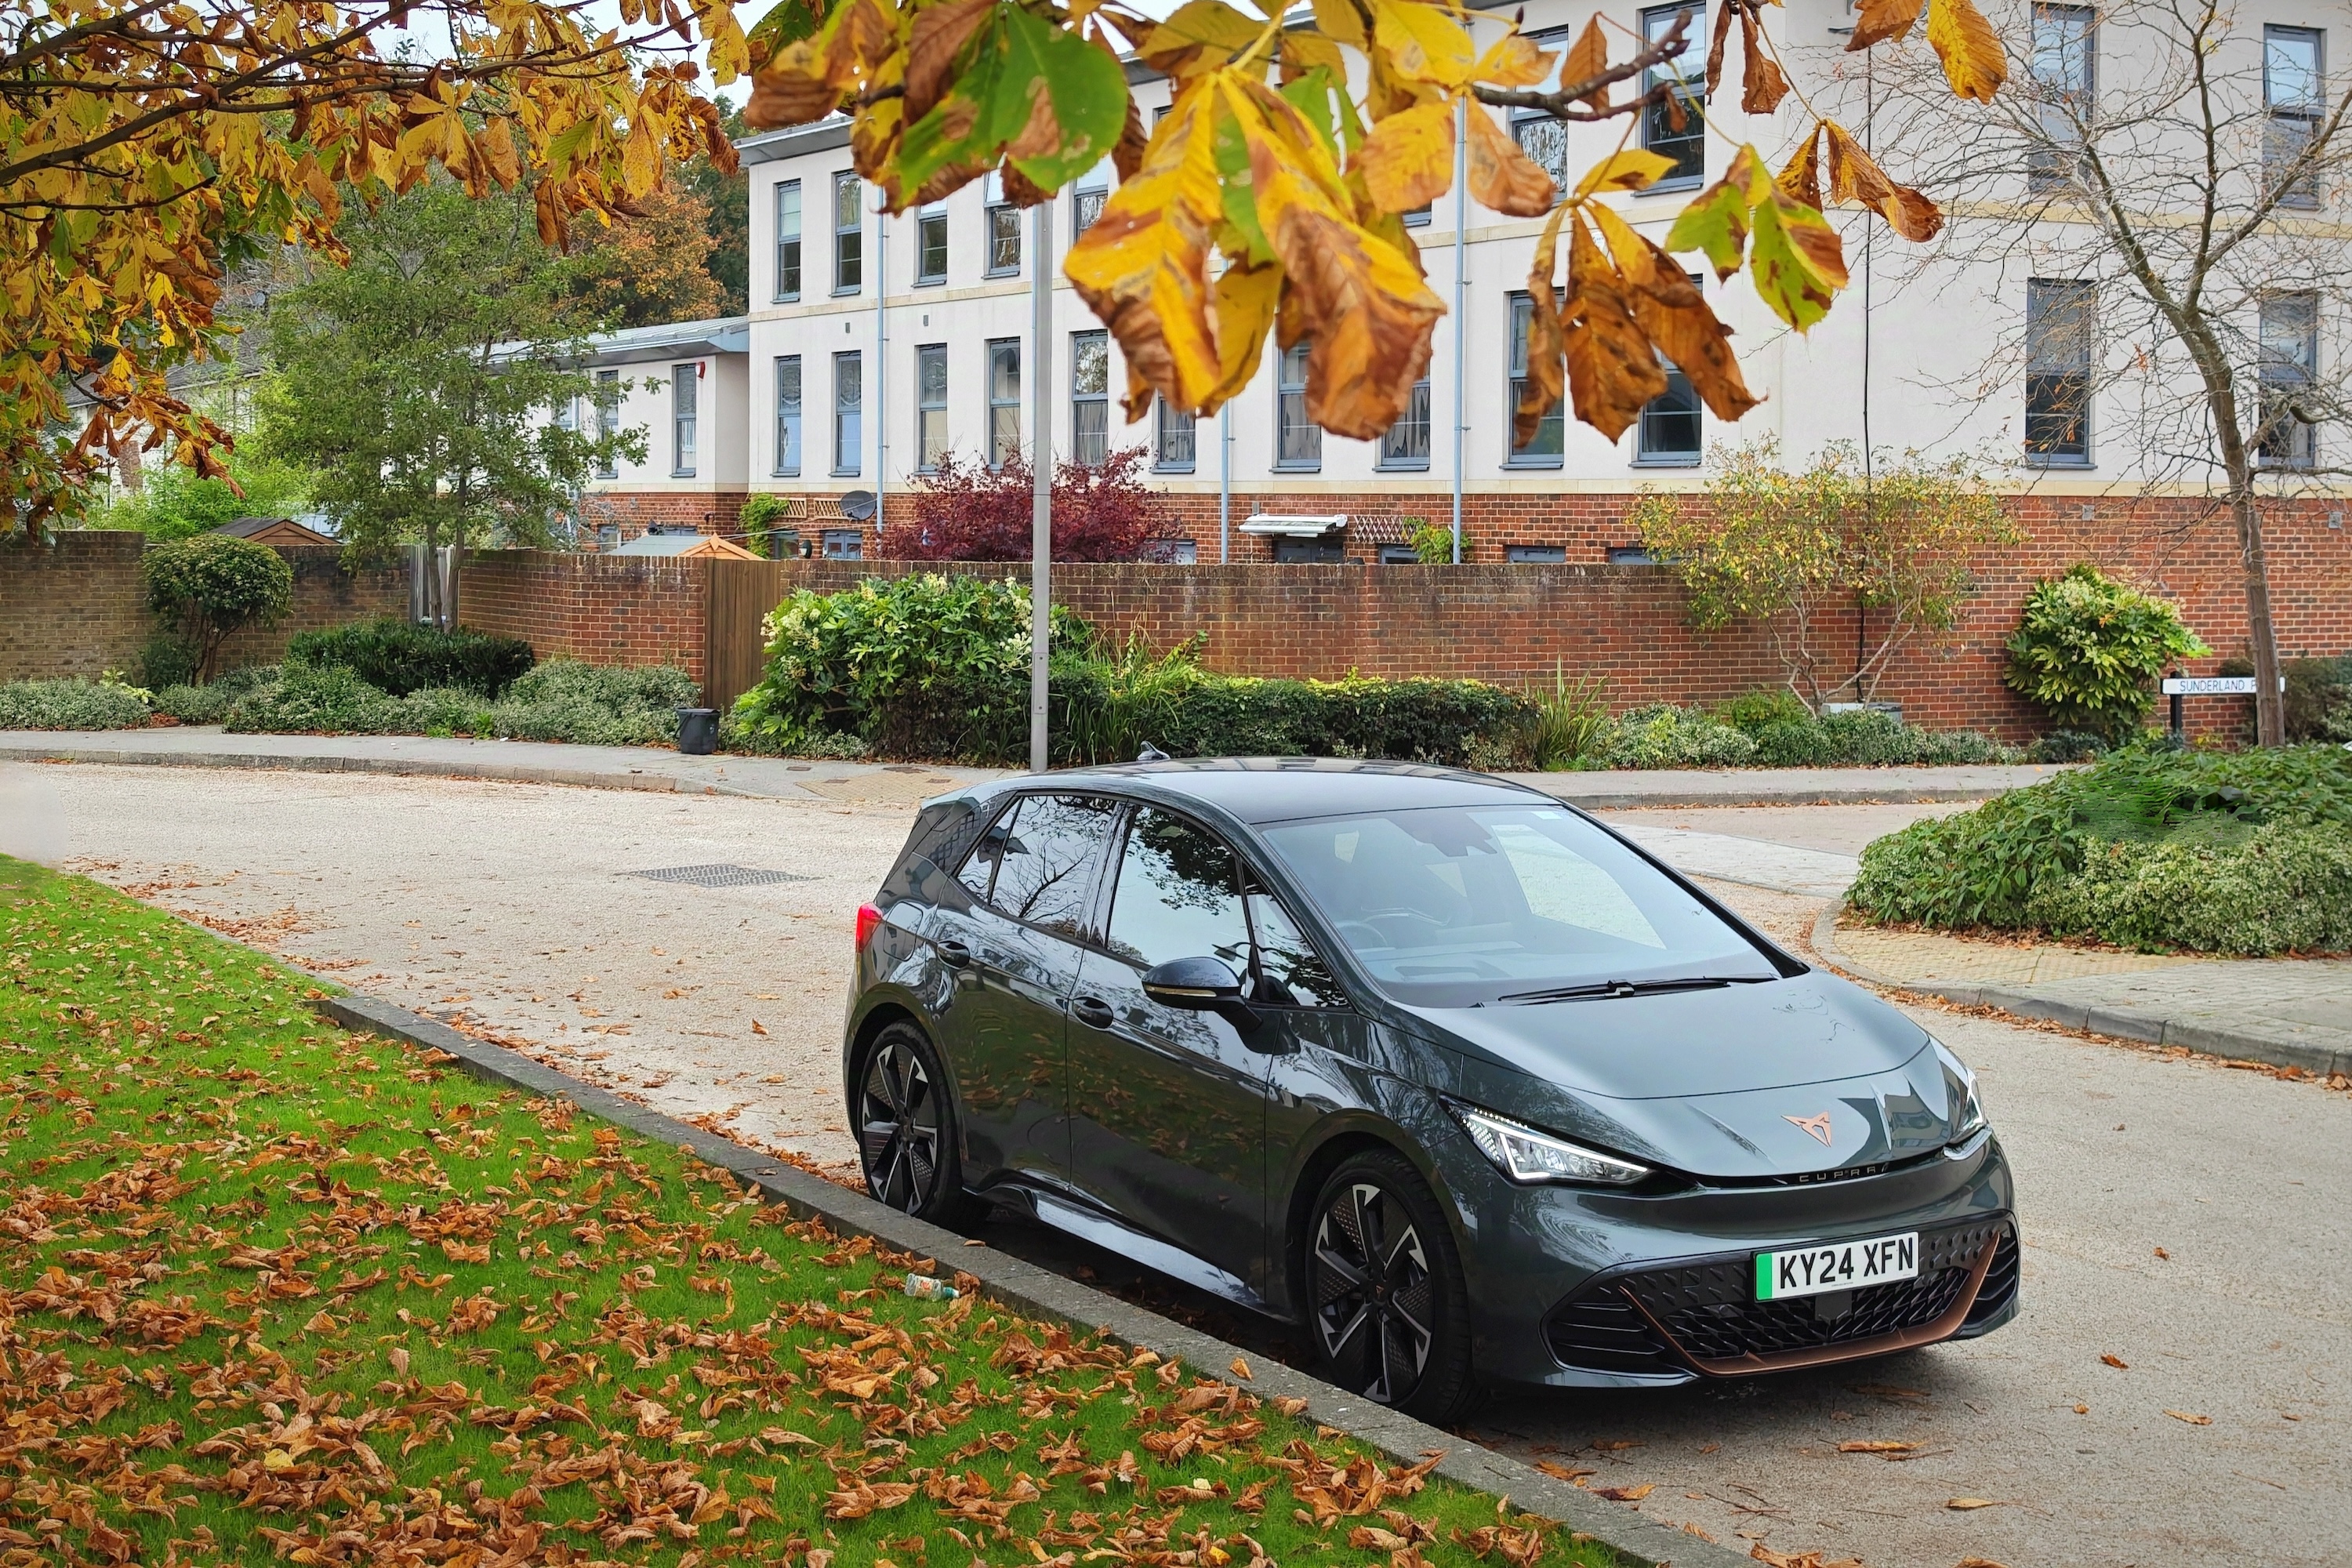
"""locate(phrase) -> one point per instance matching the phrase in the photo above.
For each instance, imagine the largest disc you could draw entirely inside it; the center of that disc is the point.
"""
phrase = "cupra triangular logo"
(1819, 1126)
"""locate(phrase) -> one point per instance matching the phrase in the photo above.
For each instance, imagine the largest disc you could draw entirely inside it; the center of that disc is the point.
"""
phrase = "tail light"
(868, 917)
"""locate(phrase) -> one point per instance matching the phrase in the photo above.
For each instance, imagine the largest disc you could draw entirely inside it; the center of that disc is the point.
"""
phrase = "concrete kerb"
(1026, 1288)
(2093, 1020)
(399, 767)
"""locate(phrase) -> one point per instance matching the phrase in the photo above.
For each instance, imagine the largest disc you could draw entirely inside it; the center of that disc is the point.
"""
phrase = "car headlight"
(1971, 1118)
(1528, 1157)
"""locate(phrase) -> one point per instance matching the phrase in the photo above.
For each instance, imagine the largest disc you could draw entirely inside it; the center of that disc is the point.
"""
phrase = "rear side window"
(1044, 855)
(1178, 895)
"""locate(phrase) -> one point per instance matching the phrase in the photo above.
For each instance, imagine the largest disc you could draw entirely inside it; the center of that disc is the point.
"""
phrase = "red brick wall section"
(601, 609)
(637, 511)
(76, 605)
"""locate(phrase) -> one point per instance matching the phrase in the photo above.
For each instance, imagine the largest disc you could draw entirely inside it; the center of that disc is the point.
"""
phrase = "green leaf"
(1797, 263)
(1716, 223)
(787, 22)
(1311, 95)
(1082, 84)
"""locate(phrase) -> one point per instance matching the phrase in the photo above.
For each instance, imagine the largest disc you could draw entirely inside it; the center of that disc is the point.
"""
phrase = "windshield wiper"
(1616, 988)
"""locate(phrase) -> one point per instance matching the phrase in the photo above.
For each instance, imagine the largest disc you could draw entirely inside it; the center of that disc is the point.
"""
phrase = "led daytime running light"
(1529, 1157)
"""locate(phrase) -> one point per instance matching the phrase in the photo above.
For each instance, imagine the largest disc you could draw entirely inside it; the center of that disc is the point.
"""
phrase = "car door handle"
(1093, 1012)
(954, 954)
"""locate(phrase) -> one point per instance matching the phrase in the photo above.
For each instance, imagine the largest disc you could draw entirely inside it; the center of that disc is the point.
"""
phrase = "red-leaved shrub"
(968, 511)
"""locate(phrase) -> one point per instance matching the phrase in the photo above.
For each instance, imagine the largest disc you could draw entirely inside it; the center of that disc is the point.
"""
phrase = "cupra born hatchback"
(1437, 1069)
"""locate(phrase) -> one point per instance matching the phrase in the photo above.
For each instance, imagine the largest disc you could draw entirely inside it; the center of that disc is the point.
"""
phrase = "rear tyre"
(907, 1133)
(1388, 1313)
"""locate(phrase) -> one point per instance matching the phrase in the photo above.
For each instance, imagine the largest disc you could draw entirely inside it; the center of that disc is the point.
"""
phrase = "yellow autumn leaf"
(1501, 175)
(1587, 58)
(1546, 379)
(1612, 369)
(1876, 20)
(1423, 41)
(1628, 169)
(1407, 162)
(1973, 60)
(1246, 298)
(1513, 60)
(1673, 312)
(1856, 176)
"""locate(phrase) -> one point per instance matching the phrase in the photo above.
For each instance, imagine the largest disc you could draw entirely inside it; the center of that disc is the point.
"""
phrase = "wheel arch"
(1344, 1138)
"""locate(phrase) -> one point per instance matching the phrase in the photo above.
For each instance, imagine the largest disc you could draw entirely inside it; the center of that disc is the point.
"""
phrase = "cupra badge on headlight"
(1529, 1157)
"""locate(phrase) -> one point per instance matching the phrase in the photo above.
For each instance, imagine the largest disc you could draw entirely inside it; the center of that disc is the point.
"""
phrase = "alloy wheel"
(898, 1128)
(1374, 1298)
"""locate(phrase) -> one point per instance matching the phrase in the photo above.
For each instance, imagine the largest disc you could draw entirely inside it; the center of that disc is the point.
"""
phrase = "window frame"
(1515, 371)
(1081, 220)
(926, 218)
(1693, 93)
(1096, 402)
(1390, 461)
(1163, 415)
(1289, 398)
(848, 456)
(998, 404)
(684, 413)
(2043, 170)
(1644, 454)
(928, 407)
(2304, 196)
(2051, 457)
(848, 239)
(785, 462)
(2273, 374)
(607, 400)
(1000, 221)
(788, 247)
(1094, 908)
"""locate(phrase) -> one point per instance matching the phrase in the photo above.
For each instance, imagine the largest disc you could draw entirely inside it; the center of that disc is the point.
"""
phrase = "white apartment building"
(875, 342)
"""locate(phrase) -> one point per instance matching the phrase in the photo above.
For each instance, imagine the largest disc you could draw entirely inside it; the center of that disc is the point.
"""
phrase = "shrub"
(2319, 699)
(2089, 650)
(2147, 847)
(1757, 710)
(1433, 543)
(761, 516)
(72, 705)
(210, 585)
(1569, 722)
(966, 510)
(399, 657)
(1439, 721)
(311, 700)
(2066, 746)
(165, 659)
(1665, 736)
(596, 705)
(210, 704)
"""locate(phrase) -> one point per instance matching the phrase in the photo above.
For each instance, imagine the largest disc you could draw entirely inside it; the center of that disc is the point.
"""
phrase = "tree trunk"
(2270, 705)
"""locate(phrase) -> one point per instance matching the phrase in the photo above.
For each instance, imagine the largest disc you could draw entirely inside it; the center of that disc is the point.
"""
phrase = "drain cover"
(720, 875)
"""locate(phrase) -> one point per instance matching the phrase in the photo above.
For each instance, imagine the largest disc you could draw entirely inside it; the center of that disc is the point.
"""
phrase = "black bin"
(697, 730)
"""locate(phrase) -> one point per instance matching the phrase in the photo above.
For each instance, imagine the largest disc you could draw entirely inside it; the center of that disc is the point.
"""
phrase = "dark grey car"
(1434, 1066)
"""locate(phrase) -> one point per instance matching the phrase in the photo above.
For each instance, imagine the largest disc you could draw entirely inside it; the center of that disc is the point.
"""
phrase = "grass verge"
(271, 1289)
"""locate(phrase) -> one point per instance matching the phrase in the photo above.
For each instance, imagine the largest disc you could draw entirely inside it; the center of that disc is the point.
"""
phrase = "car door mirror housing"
(1195, 984)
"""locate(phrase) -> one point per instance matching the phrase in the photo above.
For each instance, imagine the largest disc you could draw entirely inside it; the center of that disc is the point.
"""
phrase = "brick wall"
(705, 512)
(602, 609)
(77, 607)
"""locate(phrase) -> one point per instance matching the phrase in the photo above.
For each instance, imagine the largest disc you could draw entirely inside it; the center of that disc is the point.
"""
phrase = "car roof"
(1278, 789)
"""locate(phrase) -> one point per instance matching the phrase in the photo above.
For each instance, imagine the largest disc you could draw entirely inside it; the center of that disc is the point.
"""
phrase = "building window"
(848, 412)
(685, 384)
(1399, 555)
(2290, 367)
(1543, 448)
(1536, 555)
(1171, 432)
(1667, 434)
(1298, 440)
(788, 240)
(1417, 218)
(1685, 144)
(1004, 400)
(1085, 206)
(1328, 549)
(848, 235)
(1004, 232)
(1090, 397)
(1406, 444)
(844, 544)
(1172, 552)
(2066, 89)
(930, 406)
(788, 415)
(931, 242)
(567, 414)
(2295, 95)
(608, 421)
(1543, 139)
(2060, 332)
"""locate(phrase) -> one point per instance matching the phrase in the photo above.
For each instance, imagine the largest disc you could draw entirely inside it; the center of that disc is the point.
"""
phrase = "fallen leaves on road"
(1561, 1472)
(2166, 1255)
(1876, 1446)
(1963, 1504)
(2117, 1362)
(1771, 1559)
(2193, 1420)
(1890, 1391)
(1624, 1494)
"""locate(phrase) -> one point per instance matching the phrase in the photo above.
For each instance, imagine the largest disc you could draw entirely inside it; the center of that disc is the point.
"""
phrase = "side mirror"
(1194, 984)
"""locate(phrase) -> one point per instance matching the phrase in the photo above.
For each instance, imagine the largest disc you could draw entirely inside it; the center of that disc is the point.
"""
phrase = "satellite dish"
(857, 506)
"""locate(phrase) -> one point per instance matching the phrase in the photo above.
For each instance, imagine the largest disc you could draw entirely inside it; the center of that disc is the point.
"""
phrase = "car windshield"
(1463, 906)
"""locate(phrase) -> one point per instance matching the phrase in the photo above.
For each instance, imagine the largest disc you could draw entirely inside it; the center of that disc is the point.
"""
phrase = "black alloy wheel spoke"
(1374, 1295)
(901, 1150)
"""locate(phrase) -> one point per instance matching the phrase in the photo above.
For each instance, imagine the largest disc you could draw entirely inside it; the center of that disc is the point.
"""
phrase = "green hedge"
(559, 700)
(71, 705)
(398, 657)
(2247, 853)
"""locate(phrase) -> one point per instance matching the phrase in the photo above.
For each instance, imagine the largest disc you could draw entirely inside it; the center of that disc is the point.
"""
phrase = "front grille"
(1710, 1314)
(1999, 1287)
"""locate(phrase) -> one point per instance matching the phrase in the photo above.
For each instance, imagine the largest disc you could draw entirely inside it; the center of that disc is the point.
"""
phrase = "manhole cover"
(720, 875)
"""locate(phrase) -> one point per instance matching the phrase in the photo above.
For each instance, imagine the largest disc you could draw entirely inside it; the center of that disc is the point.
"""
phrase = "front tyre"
(907, 1136)
(1388, 1312)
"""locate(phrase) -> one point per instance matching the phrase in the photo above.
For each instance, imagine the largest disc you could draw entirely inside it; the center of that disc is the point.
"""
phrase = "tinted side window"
(979, 870)
(1045, 873)
(1290, 973)
(1178, 895)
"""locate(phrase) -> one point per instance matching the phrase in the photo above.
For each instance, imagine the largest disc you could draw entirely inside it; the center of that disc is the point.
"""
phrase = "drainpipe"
(1461, 224)
(881, 362)
(1224, 484)
(1041, 466)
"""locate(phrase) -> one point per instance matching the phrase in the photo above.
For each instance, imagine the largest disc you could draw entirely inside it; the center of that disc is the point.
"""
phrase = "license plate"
(1839, 1266)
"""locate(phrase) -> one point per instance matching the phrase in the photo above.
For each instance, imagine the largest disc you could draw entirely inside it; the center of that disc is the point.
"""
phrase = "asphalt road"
(515, 906)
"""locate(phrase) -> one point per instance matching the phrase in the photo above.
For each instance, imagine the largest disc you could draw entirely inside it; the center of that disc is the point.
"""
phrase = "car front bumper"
(1580, 1288)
